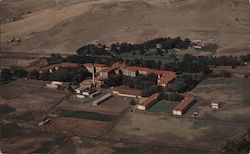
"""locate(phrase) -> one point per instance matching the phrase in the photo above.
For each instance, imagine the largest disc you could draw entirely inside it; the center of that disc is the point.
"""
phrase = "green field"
(164, 106)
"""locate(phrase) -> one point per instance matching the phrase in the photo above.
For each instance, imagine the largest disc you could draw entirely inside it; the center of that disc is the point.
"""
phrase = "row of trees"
(74, 75)
(245, 58)
(8, 74)
(171, 96)
(146, 83)
(140, 82)
(166, 43)
(183, 83)
(191, 64)
(92, 49)
(178, 66)
(80, 59)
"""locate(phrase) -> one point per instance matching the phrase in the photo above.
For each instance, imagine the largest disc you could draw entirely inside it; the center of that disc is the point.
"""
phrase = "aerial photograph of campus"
(125, 77)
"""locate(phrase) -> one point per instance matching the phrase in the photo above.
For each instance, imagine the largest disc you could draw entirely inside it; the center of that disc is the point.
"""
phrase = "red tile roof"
(113, 67)
(166, 78)
(150, 99)
(95, 65)
(107, 69)
(147, 70)
(117, 65)
(185, 102)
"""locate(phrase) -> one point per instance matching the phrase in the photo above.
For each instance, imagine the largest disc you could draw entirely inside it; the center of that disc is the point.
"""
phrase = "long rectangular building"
(185, 104)
(127, 92)
(148, 102)
(99, 100)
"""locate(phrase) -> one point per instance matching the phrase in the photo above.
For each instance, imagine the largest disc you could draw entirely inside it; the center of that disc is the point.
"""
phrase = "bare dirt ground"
(114, 106)
(175, 132)
(82, 119)
(29, 99)
(232, 93)
(23, 104)
(60, 26)
(79, 145)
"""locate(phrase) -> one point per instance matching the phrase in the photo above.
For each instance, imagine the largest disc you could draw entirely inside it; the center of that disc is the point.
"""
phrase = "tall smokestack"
(93, 76)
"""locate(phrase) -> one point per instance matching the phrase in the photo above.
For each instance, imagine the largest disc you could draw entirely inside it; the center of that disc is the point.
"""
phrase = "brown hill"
(62, 26)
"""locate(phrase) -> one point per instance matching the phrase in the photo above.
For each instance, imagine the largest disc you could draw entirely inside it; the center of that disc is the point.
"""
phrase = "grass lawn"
(163, 106)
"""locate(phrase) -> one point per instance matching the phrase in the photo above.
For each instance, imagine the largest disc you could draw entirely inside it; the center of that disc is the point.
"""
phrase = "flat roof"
(128, 91)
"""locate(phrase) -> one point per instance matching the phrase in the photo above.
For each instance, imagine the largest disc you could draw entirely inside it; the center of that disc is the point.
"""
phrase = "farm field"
(113, 106)
(28, 100)
(23, 103)
(82, 119)
(232, 93)
(23, 138)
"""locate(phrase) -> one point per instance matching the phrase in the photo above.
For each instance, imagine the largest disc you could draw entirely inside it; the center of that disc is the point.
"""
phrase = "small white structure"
(80, 89)
(80, 96)
(215, 105)
(54, 84)
(51, 86)
(90, 93)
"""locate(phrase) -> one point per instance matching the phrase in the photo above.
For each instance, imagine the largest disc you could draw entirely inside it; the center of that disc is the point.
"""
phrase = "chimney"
(93, 76)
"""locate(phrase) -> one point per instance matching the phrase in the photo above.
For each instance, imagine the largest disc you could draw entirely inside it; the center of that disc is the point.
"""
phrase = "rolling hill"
(62, 26)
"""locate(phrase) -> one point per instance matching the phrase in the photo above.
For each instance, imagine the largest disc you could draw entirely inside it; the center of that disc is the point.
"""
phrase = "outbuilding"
(148, 102)
(215, 105)
(185, 104)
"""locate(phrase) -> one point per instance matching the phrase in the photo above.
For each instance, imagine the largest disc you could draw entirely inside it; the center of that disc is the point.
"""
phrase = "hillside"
(62, 26)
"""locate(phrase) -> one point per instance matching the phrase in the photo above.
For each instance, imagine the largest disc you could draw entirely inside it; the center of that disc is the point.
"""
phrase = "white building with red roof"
(185, 104)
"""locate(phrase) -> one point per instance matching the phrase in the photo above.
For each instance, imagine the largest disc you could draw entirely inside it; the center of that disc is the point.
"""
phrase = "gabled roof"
(150, 99)
(166, 78)
(185, 102)
(95, 65)
(107, 69)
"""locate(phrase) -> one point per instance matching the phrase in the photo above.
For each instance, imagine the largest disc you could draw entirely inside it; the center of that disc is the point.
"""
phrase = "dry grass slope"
(62, 26)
